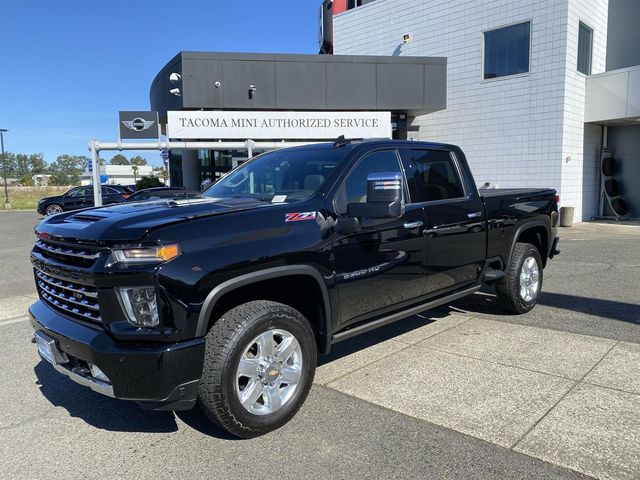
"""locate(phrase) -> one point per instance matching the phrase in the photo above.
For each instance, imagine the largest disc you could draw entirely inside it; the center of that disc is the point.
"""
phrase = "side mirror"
(384, 197)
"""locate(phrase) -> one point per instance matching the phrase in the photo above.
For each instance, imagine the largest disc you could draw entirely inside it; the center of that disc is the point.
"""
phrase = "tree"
(66, 169)
(138, 160)
(135, 173)
(119, 159)
(23, 166)
(148, 182)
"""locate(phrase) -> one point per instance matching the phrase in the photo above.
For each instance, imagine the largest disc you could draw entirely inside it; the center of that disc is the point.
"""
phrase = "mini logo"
(138, 124)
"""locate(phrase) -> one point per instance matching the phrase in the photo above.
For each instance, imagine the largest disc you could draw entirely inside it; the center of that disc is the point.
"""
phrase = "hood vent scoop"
(85, 217)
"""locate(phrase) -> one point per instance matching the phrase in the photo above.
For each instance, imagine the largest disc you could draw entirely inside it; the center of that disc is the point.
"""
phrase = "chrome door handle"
(416, 224)
(474, 214)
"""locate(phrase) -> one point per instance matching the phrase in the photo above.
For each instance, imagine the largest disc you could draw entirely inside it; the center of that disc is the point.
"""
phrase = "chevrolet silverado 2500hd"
(226, 300)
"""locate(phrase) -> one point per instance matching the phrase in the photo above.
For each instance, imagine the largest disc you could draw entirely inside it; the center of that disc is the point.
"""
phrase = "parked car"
(81, 197)
(226, 300)
(158, 193)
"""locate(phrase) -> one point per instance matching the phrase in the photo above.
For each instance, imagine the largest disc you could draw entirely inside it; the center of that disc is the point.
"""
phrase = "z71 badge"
(299, 216)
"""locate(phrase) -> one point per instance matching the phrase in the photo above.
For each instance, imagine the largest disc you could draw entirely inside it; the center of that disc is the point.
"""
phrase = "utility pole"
(7, 204)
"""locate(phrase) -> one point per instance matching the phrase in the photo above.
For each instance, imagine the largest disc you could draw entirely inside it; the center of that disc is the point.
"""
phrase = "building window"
(585, 46)
(506, 50)
(356, 3)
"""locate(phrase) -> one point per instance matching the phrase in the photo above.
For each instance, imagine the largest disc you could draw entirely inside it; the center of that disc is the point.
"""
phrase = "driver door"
(383, 265)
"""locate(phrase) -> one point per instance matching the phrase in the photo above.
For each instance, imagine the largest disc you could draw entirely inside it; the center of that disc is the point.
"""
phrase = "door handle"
(416, 224)
(474, 214)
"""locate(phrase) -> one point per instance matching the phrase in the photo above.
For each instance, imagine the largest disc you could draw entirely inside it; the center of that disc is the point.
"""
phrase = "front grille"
(70, 254)
(74, 299)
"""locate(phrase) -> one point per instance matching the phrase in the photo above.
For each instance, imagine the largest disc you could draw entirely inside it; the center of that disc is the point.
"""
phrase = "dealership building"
(537, 93)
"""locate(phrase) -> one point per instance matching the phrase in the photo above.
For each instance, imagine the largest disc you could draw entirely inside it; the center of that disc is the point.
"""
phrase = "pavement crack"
(537, 422)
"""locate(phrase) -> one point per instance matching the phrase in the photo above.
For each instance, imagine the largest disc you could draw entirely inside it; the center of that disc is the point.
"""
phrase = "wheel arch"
(237, 289)
(536, 233)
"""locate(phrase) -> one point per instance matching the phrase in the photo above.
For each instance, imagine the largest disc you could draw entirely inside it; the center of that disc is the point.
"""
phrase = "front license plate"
(45, 348)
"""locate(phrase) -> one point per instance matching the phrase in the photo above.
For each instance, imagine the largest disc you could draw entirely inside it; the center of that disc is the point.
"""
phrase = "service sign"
(138, 125)
(276, 125)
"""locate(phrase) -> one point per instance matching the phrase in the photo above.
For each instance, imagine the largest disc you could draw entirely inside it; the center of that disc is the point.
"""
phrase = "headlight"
(140, 305)
(144, 255)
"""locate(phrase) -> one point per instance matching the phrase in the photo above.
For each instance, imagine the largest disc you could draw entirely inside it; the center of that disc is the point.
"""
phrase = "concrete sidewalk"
(573, 400)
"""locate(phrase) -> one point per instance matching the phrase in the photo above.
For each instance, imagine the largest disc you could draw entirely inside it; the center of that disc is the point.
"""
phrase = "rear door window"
(432, 175)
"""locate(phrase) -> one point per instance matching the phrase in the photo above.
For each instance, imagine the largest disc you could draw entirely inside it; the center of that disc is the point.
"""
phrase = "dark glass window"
(506, 50)
(585, 46)
(354, 189)
(289, 174)
(432, 175)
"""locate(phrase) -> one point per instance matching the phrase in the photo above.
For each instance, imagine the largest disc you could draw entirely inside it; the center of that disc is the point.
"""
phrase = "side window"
(432, 175)
(79, 192)
(354, 189)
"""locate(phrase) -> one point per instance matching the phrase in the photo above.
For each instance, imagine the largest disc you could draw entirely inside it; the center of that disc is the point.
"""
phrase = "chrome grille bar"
(70, 252)
(65, 298)
(65, 285)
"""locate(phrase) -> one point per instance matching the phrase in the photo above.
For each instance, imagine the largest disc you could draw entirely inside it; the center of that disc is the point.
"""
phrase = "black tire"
(611, 187)
(225, 345)
(508, 288)
(609, 166)
(619, 206)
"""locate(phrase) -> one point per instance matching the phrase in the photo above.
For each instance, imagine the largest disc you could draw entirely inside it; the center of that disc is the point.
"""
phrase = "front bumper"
(157, 376)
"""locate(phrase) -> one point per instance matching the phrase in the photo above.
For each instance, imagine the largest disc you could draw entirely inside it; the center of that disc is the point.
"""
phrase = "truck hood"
(132, 221)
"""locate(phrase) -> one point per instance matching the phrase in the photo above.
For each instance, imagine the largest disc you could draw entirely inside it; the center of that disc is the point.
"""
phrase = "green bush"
(148, 182)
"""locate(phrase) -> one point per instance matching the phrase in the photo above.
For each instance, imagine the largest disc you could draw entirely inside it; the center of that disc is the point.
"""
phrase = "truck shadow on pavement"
(112, 414)
(485, 303)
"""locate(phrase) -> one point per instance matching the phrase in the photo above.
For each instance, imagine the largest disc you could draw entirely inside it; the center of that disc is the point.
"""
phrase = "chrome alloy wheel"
(529, 279)
(54, 209)
(269, 372)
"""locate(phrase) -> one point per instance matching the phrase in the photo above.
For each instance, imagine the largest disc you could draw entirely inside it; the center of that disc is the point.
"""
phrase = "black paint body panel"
(380, 269)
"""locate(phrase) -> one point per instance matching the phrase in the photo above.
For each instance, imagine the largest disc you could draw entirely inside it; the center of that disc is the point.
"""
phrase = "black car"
(157, 193)
(81, 197)
(226, 300)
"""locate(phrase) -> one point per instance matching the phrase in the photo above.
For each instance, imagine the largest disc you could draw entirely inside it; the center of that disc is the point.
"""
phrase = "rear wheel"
(53, 209)
(518, 291)
(260, 359)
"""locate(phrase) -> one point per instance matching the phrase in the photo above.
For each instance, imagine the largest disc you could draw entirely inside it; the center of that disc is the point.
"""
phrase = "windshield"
(279, 176)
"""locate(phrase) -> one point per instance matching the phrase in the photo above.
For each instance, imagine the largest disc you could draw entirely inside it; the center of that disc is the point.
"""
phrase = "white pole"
(249, 144)
(95, 162)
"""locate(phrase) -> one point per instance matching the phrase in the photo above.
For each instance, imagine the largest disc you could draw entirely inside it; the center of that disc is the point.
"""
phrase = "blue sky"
(68, 66)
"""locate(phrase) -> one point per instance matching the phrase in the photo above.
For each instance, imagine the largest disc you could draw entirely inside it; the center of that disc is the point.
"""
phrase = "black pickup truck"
(226, 300)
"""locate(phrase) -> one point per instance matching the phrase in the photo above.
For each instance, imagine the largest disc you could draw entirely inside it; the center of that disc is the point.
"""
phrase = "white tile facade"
(519, 131)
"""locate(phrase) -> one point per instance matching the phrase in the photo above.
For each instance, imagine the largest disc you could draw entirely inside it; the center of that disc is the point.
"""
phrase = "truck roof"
(357, 143)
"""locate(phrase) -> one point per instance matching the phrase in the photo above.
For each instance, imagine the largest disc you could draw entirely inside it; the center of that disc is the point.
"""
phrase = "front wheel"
(260, 359)
(53, 209)
(519, 290)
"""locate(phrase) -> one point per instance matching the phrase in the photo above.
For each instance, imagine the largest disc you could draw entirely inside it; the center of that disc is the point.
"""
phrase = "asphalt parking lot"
(460, 392)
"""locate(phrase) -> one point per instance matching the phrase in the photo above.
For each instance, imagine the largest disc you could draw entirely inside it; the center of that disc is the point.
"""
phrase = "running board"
(380, 322)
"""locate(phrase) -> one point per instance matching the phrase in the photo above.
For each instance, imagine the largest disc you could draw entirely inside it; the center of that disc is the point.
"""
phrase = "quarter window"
(354, 189)
(431, 175)
(506, 50)
(585, 47)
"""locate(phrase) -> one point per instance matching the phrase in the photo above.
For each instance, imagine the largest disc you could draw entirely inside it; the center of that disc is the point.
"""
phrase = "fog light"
(98, 374)
(140, 305)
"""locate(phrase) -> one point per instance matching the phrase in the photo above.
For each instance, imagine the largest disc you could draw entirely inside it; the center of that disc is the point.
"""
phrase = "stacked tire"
(610, 167)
